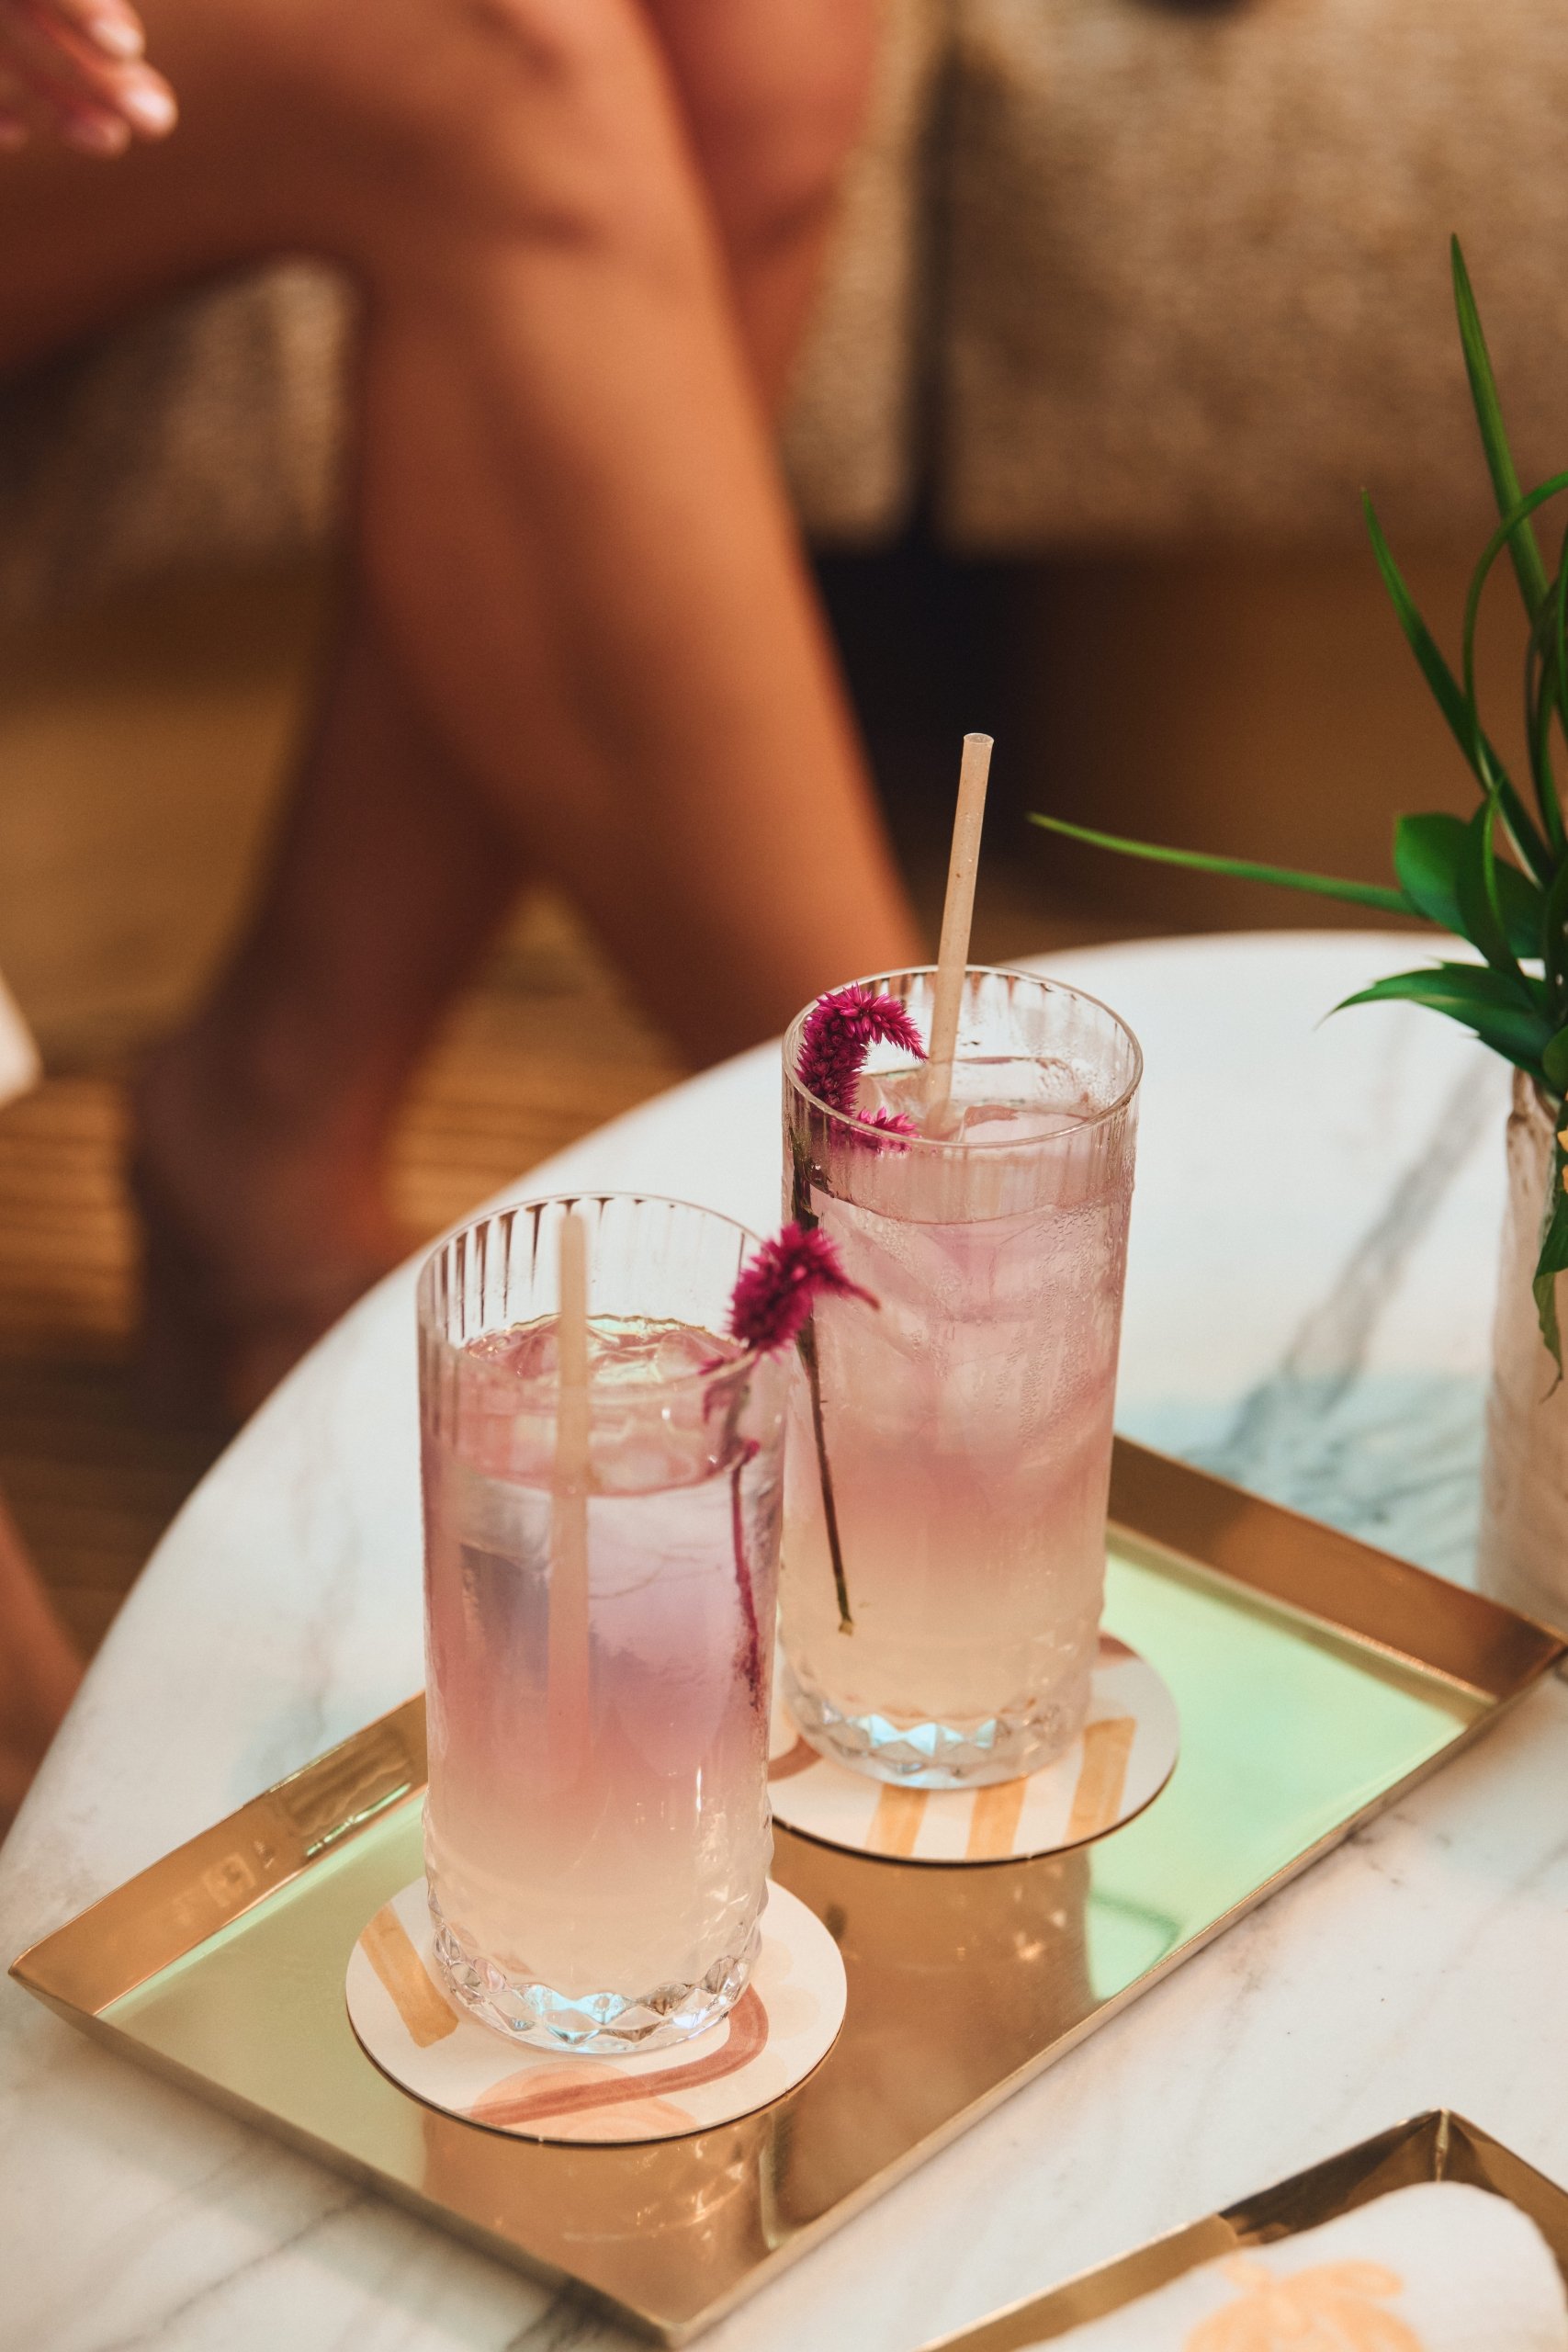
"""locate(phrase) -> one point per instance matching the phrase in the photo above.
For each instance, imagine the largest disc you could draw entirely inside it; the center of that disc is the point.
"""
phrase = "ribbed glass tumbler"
(599, 1639)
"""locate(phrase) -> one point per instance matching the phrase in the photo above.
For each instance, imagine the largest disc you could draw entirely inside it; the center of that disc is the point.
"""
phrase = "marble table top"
(1308, 1308)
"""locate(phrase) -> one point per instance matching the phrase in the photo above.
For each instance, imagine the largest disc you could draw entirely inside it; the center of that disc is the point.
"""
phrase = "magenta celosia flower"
(839, 1031)
(891, 1123)
(773, 1298)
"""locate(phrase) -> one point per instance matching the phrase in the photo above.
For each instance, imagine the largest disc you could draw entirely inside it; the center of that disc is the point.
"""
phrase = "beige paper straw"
(567, 1705)
(957, 914)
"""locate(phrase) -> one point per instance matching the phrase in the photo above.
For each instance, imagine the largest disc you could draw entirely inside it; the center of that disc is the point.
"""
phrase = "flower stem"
(753, 1649)
(806, 1343)
(806, 1217)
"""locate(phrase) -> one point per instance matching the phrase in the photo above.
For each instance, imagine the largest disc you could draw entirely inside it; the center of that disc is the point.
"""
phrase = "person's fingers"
(145, 101)
(97, 102)
(109, 24)
(74, 117)
(96, 36)
(92, 133)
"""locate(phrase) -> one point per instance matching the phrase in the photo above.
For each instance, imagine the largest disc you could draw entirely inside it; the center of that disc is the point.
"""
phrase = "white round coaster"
(783, 2025)
(1118, 1764)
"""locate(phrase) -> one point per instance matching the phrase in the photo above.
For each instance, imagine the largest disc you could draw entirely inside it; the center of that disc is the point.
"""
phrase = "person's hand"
(76, 68)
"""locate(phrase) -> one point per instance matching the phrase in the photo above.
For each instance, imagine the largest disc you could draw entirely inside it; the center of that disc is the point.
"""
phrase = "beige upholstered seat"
(1197, 282)
(206, 434)
(1111, 272)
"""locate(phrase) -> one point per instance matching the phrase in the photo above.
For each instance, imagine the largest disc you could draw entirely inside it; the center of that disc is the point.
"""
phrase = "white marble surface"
(1317, 1214)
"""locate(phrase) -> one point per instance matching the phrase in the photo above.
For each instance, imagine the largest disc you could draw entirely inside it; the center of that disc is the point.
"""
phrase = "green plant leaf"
(1549, 640)
(1523, 910)
(1480, 998)
(1481, 754)
(1542, 690)
(1445, 689)
(1482, 912)
(1240, 869)
(1503, 537)
(1555, 942)
(1429, 854)
(1555, 1062)
(1522, 545)
(1553, 1258)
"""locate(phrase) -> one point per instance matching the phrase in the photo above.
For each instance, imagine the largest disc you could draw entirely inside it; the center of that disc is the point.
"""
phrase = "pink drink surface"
(968, 1425)
(608, 1834)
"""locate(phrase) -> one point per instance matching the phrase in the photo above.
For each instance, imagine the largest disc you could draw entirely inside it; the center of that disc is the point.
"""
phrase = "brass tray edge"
(1113, 2004)
(331, 2158)
(1209, 1512)
(902, 2167)
(430, 2210)
(1406, 1658)
(284, 1818)
(935, 2142)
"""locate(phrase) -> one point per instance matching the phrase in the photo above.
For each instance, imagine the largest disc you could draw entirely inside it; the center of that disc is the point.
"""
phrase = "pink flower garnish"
(891, 1122)
(773, 1300)
(839, 1031)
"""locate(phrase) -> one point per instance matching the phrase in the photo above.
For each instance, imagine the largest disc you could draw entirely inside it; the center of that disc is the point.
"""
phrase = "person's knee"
(776, 95)
(514, 119)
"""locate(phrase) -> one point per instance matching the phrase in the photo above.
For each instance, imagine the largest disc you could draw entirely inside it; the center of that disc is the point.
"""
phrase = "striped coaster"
(1118, 1764)
(783, 2025)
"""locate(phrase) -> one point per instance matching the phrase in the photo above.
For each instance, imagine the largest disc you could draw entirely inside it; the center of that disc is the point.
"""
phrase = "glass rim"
(746, 1360)
(860, 1127)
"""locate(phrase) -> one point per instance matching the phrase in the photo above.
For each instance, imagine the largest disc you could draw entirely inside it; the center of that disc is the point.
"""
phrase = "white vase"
(1523, 1556)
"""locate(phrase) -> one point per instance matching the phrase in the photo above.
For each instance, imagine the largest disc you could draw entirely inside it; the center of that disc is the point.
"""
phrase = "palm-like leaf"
(1482, 918)
(1555, 942)
(1527, 565)
(1553, 1259)
(1451, 700)
(1429, 852)
(1482, 999)
(1375, 895)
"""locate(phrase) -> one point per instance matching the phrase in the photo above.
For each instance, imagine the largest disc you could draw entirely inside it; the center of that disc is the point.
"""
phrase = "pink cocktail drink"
(949, 1457)
(596, 1829)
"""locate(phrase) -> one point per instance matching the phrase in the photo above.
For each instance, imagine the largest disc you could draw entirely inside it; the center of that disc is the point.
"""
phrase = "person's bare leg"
(308, 1045)
(773, 95)
(262, 1126)
(645, 627)
(323, 1010)
(599, 601)
(569, 517)
(40, 1670)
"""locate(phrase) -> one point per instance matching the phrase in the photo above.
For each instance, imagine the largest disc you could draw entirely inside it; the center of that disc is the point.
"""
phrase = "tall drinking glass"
(950, 1456)
(596, 1828)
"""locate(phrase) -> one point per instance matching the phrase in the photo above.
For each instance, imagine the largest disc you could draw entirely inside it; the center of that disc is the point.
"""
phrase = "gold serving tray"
(1315, 1680)
(1438, 2145)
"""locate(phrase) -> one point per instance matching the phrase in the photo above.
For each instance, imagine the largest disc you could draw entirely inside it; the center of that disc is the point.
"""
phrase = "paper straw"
(567, 1704)
(957, 914)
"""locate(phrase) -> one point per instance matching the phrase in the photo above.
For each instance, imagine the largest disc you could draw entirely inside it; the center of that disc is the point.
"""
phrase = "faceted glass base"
(591, 2024)
(970, 1754)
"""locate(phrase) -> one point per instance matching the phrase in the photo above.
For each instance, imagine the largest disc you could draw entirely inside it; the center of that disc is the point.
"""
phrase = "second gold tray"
(1439, 2145)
